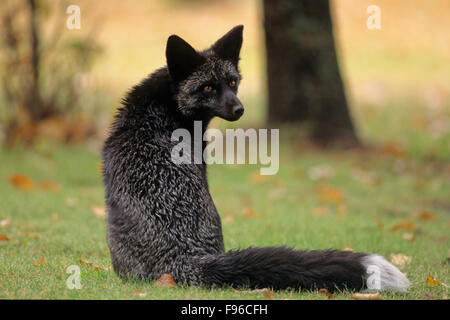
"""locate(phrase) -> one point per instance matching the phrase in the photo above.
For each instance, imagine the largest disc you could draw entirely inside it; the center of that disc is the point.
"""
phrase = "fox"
(161, 216)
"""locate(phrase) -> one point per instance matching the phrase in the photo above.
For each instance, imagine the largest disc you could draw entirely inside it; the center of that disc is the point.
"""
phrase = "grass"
(398, 90)
(372, 193)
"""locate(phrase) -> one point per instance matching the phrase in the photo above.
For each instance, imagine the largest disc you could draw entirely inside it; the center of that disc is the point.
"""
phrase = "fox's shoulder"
(157, 86)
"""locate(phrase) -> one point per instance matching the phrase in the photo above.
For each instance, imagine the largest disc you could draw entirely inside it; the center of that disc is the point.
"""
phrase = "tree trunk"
(34, 102)
(304, 82)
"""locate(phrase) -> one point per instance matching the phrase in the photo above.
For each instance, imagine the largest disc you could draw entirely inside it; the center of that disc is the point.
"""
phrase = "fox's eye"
(208, 89)
(232, 83)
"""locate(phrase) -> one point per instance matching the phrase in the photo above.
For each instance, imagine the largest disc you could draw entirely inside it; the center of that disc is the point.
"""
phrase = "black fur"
(161, 218)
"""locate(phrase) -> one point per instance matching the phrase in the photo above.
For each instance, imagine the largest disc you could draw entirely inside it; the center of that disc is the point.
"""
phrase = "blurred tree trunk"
(304, 82)
(34, 99)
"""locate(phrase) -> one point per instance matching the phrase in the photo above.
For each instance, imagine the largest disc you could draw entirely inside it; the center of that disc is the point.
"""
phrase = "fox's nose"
(237, 110)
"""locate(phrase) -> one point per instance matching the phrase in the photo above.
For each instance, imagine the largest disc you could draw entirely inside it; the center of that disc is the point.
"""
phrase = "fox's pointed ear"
(182, 59)
(229, 46)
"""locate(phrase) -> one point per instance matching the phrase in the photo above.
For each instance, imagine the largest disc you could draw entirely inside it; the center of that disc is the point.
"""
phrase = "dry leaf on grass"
(49, 186)
(321, 172)
(70, 202)
(228, 218)
(408, 236)
(393, 149)
(321, 211)
(348, 249)
(86, 263)
(330, 194)
(39, 261)
(426, 216)
(141, 294)
(99, 211)
(91, 264)
(98, 268)
(21, 182)
(399, 259)
(5, 223)
(3, 238)
(166, 281)
(431, 282)
(268, 294)
(379, 224)
(428, 296)
(257, 178)
(30, 234)
(404, 225)
(248, 212)
(327, 293)
(367, 296)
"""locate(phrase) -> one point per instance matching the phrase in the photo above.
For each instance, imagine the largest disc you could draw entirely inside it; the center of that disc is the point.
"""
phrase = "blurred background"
(63, 85)
(364, 118)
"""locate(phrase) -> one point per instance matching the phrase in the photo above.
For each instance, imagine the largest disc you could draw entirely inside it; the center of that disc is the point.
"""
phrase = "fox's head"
(207, 81)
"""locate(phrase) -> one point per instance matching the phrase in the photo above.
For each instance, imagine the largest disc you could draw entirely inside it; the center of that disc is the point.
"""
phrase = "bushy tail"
(282, 268)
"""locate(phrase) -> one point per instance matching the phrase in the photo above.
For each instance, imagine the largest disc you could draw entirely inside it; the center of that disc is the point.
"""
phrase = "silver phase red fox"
(161, 217)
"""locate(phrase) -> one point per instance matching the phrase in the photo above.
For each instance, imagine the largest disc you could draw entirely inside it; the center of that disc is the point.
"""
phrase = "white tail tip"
(383, 276)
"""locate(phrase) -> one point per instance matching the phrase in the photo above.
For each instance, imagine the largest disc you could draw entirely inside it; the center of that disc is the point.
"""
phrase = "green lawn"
(364, 196)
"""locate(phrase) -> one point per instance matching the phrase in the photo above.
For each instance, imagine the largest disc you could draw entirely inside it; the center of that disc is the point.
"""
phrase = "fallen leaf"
(268, 294)
(245, 199)
(320, 172)
(330, 194)
(404, 225)
(399, 259)
(49, 186)
(30, 234)
(379, 224)
(428, 296)
(3, 238)
(431, 282)
(21, 182)
(409, 236)
(367, 296)
(394, 149)
(426, 216)
(365, 178)
(327, 293)
(39, 261)
(5, 223)
(248, 212)
(98, 268)
(257, 178)
(348, 249)
(228, 218)
(141, 294)
(166, 281)
(86, 263)
(321, 211)
(70, 202)
(99, 211)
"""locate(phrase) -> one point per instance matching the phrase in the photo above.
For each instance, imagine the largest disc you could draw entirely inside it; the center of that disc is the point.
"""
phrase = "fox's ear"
(229, 46)
(182, 59)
